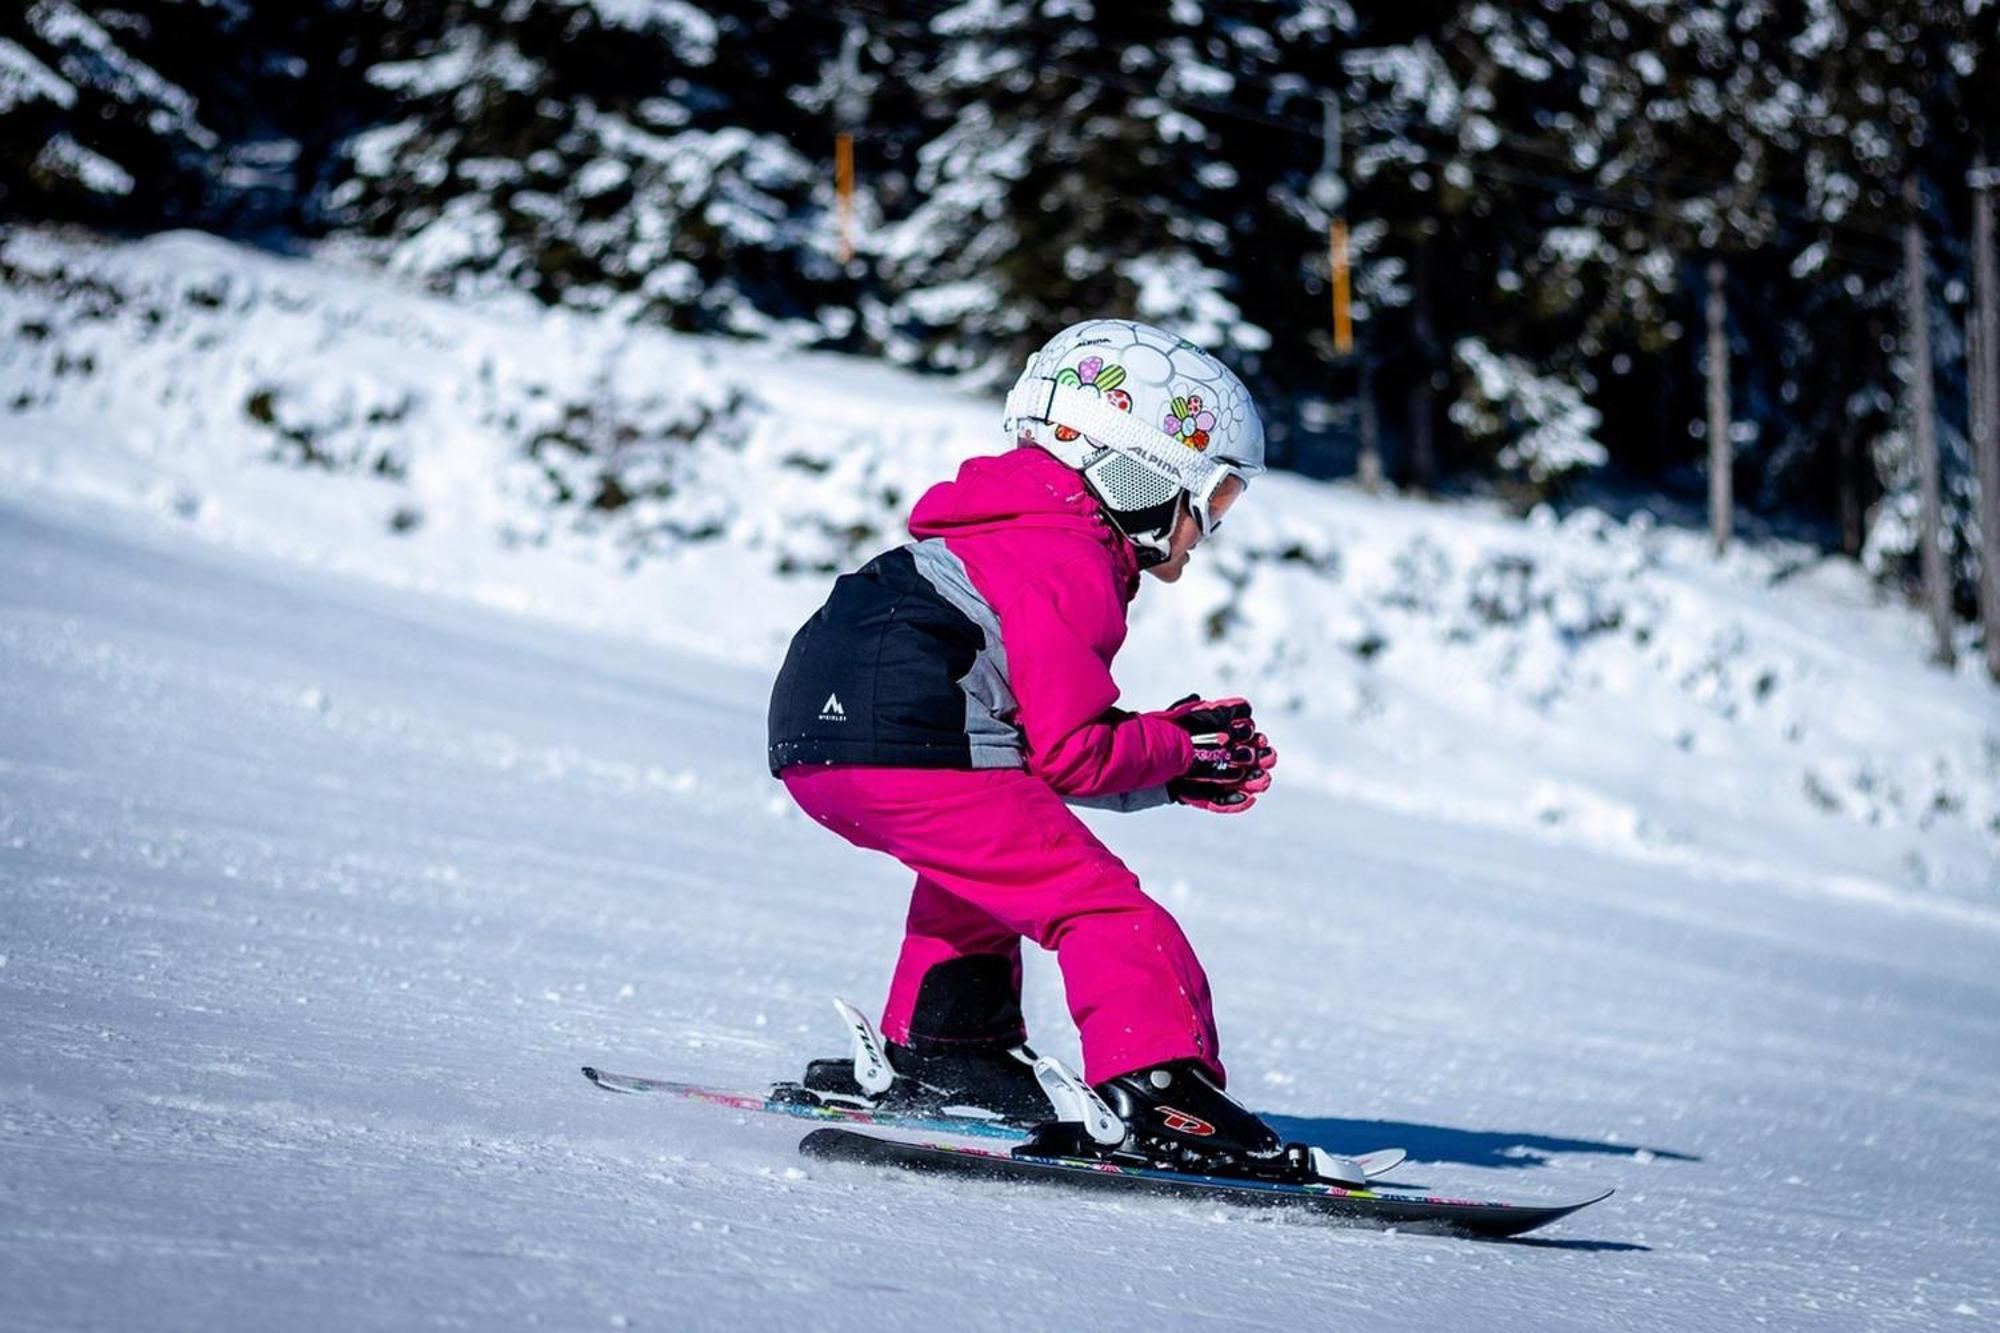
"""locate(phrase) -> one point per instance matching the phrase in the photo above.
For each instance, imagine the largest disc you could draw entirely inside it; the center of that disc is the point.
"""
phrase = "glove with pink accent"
(1232, 759)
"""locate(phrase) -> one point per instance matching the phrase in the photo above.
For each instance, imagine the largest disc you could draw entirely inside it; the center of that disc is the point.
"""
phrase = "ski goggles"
(1201, 498)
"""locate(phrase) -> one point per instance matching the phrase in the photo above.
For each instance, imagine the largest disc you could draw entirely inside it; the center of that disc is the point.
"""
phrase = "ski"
(791, 1100)
(1360, 1207)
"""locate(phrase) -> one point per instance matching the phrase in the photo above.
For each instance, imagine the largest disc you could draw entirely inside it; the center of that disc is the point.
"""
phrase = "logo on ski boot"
(1180, 1122)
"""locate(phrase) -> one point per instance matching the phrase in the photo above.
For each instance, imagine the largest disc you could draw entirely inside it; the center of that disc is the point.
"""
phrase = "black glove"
(1232, 759)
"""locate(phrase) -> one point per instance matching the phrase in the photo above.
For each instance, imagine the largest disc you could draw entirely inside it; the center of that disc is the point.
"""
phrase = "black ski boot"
(984, 1081)
(1178, 1119)
(964, 1055)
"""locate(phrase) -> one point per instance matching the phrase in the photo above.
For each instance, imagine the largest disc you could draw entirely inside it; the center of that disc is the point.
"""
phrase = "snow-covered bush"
(1412, 653)
(574, 430)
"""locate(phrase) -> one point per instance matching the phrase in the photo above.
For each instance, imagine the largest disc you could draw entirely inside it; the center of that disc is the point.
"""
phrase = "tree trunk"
(1986, 407)
(1721, 455)
(1423, 443)
(1371, 426)
(1922, 417)
(1849, 487)
(1837, 357)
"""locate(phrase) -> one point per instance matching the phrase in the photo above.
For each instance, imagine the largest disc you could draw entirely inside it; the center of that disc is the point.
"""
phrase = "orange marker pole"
(843, 185)
(1343, 319)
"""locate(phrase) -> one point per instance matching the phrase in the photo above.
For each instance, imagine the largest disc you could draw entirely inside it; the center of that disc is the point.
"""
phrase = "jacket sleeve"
(1059, 640)
(1124, 803)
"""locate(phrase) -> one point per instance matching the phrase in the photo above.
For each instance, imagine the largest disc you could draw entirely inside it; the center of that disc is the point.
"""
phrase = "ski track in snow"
(314, 894)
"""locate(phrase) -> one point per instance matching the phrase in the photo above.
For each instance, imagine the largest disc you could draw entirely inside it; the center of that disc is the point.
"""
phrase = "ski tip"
(1564, 1209)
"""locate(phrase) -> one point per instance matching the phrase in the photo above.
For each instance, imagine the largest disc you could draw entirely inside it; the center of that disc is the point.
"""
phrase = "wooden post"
(843, 185)
(1922, 423)
(1986, 403)
(1721, 451)
(1343, 317)
(849, 110)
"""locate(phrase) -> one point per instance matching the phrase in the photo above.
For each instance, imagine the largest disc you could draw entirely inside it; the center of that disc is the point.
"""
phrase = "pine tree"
(90, 129)
(1458, 132)
(140, 114)
(1899, 89)
(637, 156)
(1072, 176)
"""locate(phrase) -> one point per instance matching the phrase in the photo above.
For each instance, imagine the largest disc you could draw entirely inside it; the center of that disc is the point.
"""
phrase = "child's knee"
(1111, 903)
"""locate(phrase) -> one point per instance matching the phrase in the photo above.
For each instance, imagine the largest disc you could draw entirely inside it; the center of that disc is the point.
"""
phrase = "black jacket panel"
(874, 677)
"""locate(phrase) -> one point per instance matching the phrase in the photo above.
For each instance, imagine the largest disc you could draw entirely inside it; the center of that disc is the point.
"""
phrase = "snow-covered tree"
(1071, 176)
(641, 154)
(1905, 87)
(1542, 430)
(138, 114)
(89, 128)
(1535, 187)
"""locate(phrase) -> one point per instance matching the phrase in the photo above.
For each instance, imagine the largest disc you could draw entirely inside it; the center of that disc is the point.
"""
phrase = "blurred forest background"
(1560, 217)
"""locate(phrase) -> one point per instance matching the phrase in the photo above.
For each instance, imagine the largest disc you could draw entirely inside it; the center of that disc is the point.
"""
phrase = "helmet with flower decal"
(1146, 417)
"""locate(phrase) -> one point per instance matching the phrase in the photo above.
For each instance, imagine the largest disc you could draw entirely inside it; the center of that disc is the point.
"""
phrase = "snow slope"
(329, 847)
(316, 894)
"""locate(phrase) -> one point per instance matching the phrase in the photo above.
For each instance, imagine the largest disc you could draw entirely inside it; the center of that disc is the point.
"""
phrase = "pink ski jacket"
(984, 643)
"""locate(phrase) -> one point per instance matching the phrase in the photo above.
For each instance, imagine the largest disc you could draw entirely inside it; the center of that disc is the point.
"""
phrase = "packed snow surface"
(346, 808)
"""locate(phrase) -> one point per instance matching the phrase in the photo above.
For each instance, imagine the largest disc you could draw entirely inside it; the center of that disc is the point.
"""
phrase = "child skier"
(953, 693)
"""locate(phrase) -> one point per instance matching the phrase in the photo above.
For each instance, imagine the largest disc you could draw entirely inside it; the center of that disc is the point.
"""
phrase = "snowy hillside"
(1591, 682)
(381, 701)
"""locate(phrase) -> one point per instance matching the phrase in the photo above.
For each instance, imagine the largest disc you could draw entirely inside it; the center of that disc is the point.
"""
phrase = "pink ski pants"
(998, 856)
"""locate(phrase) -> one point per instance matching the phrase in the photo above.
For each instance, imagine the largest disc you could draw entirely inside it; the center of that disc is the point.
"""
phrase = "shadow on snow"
(1581, 1246)
(1441, 1143)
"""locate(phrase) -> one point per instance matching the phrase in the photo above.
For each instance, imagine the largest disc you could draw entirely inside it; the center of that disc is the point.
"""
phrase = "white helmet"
(1145, 417)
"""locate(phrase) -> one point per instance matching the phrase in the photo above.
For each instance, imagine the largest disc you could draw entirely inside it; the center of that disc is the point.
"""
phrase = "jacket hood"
(1025, 488)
